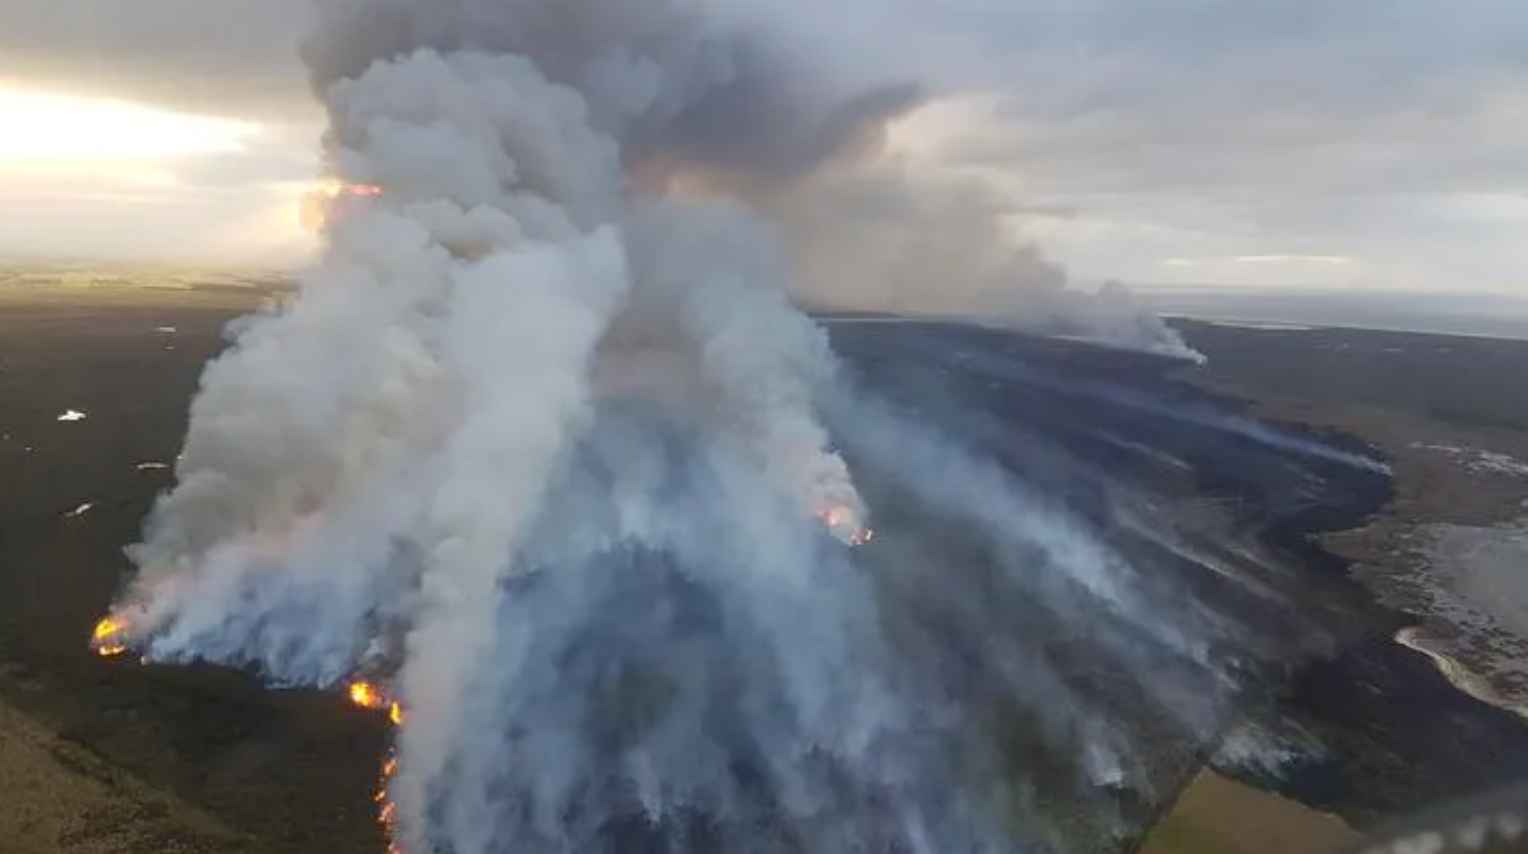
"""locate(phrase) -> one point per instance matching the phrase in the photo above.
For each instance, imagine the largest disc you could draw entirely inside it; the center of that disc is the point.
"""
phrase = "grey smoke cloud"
(544, 444)
(734, 97)
(545, 450)
(718, 89)
(459, 335)
(878, 234)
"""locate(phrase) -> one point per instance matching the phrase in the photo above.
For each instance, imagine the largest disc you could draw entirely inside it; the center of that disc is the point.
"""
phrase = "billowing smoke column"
(537, 446)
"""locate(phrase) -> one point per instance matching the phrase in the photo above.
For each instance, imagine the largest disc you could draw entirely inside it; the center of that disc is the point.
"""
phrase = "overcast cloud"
(1373, 142)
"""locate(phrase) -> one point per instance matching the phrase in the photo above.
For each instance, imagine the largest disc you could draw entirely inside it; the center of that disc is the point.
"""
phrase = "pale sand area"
(58, 797)
(1217, 815)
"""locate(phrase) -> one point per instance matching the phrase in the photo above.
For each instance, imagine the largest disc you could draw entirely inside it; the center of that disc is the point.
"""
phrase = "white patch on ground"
(165, 330)
(1478, 461)
(151, 466)
(80, 510)
(72, 415)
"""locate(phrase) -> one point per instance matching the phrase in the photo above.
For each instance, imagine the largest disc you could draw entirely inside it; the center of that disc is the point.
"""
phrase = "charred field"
(1214, 506)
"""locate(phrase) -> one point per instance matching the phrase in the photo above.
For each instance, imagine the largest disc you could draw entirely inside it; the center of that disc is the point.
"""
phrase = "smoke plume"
(539, 444)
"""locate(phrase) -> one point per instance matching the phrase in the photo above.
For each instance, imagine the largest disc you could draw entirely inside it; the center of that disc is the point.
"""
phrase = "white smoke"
(786, 106)
(541, 446)
(371, 460)
(876, 232)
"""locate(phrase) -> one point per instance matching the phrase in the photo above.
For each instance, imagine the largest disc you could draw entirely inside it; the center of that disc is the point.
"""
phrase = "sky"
(1300, 143)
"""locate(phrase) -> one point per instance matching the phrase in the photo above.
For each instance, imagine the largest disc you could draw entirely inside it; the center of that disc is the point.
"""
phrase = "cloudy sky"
(1301, 143)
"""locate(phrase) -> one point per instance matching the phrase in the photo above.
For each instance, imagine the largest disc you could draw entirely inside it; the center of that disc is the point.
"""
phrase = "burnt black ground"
(1398, 737)
(296, 769)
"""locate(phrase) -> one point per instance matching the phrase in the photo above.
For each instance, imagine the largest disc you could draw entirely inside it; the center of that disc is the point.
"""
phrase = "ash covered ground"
(1211, 506)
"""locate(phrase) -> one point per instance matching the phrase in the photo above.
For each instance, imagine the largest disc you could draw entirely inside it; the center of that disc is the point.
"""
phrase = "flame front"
(387, 813)
(367, 696)
(107, 640)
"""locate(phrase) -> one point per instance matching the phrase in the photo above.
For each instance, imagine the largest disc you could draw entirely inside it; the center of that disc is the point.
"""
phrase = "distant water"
(1491, 316)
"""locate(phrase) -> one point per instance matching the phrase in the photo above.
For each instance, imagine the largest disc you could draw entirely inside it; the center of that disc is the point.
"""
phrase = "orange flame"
(387, 815)
(367, 695)
(107, 639)
(371, 696)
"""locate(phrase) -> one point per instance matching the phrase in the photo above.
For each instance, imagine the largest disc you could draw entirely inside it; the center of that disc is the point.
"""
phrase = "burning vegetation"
(109, 638)
(370, 695)
(387, 810)
(367, 696)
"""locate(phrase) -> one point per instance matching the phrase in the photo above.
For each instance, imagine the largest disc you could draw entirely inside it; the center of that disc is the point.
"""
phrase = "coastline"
(1458, 476)
(1458, 675)
(1453, 480)
(1421, 705)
